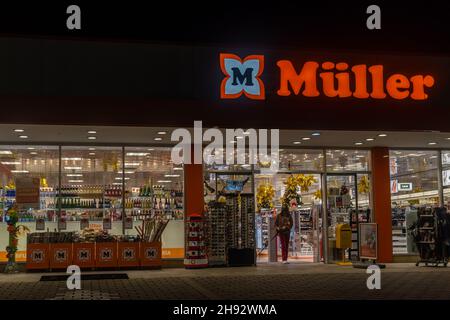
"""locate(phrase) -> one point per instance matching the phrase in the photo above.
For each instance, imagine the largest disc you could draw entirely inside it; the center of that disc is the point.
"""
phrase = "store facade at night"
(93, 120)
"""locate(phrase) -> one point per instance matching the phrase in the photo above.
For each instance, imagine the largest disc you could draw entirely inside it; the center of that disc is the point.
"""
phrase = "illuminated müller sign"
(314, 79)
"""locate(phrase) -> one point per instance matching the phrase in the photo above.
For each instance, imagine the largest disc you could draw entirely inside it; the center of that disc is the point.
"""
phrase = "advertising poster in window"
(27, 192)
(368, 238)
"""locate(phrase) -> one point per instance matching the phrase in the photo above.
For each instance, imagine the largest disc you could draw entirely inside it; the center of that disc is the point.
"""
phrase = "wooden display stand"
(150, 253)
(60, 255)
(84, 254)
(37, 256)
(106, 255)
(128, 254)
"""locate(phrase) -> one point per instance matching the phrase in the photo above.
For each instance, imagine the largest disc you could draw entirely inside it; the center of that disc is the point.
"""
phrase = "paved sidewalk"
(267, 281)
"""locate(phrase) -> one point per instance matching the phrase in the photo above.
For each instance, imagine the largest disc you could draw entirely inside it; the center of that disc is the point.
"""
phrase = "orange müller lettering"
(418, 86)
(377, 82)
(288, 76)
(396, 82)
(360, 72)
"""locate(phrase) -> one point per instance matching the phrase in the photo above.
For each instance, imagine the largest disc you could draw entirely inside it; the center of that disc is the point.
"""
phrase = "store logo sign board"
(37, 256)
(314, 79)
(61, 255)
(129, 254)
(151, 253)
(242, 76)
(84, 255)
(106, 254)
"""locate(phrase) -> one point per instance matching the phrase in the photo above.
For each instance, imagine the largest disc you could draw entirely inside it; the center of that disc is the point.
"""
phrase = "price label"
(106, 224)
(62, 224)
(40, 224)
(128, 223)
(84, 223)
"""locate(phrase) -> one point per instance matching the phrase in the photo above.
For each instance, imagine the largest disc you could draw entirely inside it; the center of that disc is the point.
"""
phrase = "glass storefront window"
(414, 184)
(91, 186)
(301, 160)
(153, 184)
(342, 160)
(28, 180)
(154, 188)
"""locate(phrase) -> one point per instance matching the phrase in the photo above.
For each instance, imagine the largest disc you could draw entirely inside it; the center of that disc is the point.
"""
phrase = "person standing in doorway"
(283, 224)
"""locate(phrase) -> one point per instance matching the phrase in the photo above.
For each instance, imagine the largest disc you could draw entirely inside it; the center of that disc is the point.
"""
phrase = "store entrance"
(304, 191)
(347, 203)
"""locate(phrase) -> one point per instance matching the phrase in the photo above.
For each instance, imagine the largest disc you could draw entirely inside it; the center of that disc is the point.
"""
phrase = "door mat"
(97, 276)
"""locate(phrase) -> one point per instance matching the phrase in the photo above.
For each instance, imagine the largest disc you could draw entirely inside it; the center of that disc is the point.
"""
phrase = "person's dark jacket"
(284, 223)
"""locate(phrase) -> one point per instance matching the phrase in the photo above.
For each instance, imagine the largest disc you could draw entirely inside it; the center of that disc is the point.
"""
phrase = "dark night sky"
(407, 26)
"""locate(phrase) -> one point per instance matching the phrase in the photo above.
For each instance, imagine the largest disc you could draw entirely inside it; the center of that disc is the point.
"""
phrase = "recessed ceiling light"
(129, 172)
(157, 139)
(432, 143)
(20, 171)
(30, 148)
(5, 152)
(150, 149)
(74, 175)
(71, 159)
(72, 168)
(120, 178)
(91, 149)
(75, 180)
(137, 154)
(382, 135)
(92, 153)
(92, 138)
(11, 162)
(315, 134)
(33, 152)
(23, 137)
(297, 142)
(358, 143)
(370, 139)
(92, 132)
(132, 164)
(448, 138)
(19, 130)
(306, 138)
(162, 132)
(171, 175)
(164, 181)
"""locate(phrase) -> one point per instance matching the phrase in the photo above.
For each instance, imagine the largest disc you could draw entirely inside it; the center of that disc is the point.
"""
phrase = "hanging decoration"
(43, 182)
(14, 231)
(318, 194)
(293, 183)
(264, 196)
(363, 185)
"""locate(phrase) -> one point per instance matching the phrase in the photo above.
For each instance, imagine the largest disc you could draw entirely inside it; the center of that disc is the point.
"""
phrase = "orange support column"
(193, 189)
(381, 189)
